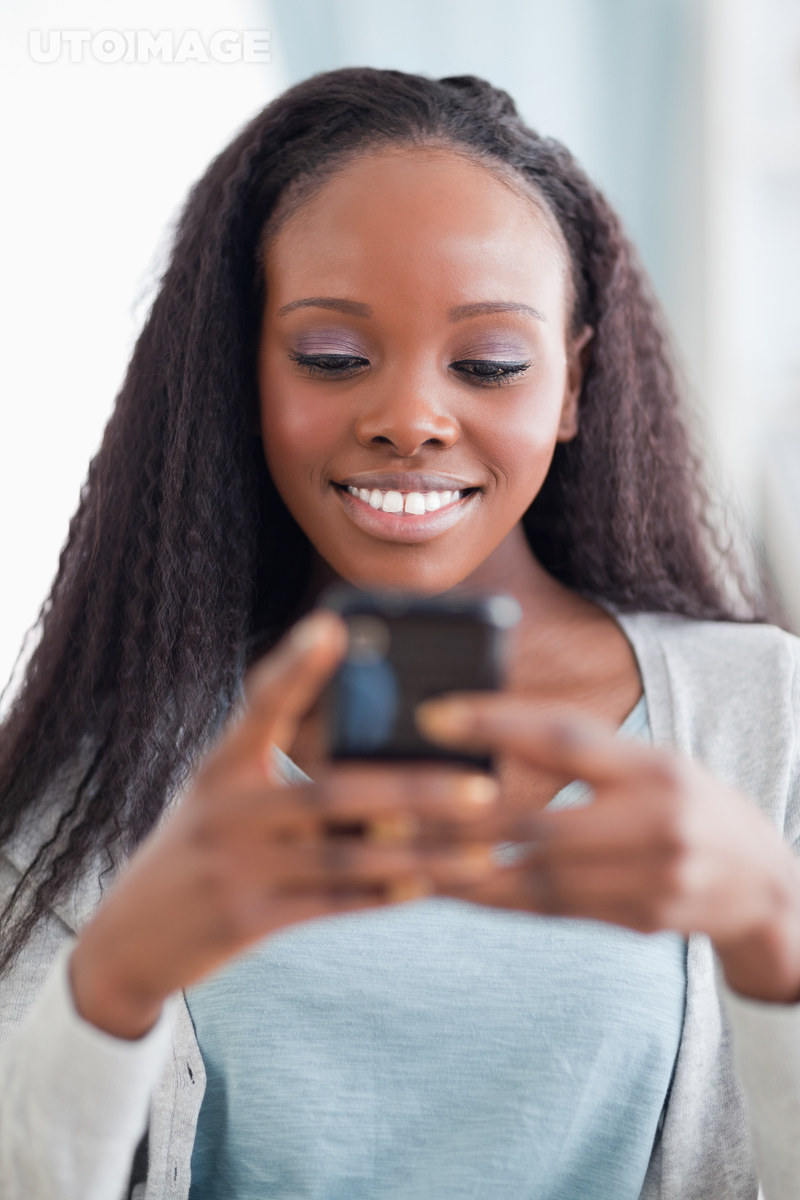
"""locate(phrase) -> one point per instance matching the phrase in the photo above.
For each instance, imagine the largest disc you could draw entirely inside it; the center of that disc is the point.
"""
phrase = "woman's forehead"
(429, 210)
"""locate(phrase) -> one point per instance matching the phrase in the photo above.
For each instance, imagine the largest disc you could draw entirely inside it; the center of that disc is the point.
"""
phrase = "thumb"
(281, 688)
(565, 743)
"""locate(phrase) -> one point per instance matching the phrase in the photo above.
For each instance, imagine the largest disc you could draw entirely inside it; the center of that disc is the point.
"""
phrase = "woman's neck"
(566, 649)
(513, 568)
(550, 642)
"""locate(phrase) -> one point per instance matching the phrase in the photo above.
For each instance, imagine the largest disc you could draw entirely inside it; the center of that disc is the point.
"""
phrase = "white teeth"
(415, 503)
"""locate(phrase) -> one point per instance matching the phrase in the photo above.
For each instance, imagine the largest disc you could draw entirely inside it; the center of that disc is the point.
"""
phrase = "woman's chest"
(440, 1034)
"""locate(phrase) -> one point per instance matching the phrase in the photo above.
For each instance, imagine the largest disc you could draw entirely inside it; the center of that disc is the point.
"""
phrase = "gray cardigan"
(726, 695)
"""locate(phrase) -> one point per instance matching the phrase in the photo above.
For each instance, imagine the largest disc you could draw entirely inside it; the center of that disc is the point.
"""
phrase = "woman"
(401, 342)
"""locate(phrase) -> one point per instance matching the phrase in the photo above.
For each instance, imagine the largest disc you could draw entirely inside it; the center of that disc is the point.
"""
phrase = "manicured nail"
(476, 860)
(408, 889)
(310, 632)
(393, 830)
(445, 720)
(573, 733)
(478, 789)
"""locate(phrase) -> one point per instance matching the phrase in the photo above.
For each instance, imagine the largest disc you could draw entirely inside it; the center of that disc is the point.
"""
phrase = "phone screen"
(402, 651)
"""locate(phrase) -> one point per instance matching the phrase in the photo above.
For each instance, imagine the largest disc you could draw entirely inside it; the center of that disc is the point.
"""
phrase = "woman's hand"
(243, 855)
(663, 846)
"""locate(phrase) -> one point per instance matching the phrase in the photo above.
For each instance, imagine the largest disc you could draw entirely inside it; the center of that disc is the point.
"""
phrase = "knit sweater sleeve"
(766, 1045)
(73, 1100)
(766, 1037)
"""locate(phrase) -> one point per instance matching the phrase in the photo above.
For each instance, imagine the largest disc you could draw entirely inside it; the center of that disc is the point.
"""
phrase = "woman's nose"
(406, 424)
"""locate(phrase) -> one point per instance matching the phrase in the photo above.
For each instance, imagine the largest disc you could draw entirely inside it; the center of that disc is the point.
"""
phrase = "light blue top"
(439, 1049)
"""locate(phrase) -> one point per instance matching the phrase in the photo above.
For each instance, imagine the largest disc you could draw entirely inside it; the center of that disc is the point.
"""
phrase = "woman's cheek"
(299, 431)
(521, 440)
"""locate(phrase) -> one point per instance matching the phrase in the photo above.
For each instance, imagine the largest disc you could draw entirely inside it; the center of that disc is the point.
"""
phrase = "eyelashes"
(488, 371)
(330, 366)
(481, 372)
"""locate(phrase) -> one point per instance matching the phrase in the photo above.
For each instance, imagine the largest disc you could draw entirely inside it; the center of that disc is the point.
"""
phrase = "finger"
(333, 865)
(294, 910)
(621, 892)
(406, 798)
(424, 792)
(306, 906)
(563, 744)
(280, 689)
(622, 825)
(260, 911)
(593, 889)
(289, 676)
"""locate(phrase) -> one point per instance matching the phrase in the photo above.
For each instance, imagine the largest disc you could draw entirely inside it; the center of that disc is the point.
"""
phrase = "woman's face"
(415, 368)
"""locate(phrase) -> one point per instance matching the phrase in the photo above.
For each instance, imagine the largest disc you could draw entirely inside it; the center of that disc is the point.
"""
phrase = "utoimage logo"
(142, 46)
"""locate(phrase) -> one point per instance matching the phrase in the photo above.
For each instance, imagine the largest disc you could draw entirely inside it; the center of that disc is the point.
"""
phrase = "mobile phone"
(403, 649)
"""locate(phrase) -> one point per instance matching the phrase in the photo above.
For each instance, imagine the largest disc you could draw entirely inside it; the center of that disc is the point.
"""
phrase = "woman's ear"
(577, 360)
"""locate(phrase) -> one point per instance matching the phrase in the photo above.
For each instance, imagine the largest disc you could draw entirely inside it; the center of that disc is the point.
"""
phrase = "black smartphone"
(403, 649)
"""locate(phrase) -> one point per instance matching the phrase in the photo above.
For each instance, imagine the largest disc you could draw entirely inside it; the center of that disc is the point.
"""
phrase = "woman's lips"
(404, 516)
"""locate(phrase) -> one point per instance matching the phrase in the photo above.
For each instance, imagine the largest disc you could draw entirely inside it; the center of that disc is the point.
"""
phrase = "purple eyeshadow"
(496, 347)
(328, 341)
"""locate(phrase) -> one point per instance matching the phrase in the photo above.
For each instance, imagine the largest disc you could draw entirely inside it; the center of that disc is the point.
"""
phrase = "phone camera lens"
(369, 640)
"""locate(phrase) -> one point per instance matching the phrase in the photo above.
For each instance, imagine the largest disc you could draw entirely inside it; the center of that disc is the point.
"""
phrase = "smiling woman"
(401, 342)
(453, 284)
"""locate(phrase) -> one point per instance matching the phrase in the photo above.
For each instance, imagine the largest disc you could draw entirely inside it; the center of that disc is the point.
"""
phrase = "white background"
(97, 159)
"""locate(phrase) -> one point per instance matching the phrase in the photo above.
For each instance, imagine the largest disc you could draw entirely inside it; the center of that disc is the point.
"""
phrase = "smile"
(415, 512)
(415, 503)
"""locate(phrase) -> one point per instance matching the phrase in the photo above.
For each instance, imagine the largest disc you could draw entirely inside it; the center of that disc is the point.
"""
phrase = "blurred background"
(686, 112)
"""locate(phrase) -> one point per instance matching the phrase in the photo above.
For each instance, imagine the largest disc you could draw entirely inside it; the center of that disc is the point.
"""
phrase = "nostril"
(382, 441)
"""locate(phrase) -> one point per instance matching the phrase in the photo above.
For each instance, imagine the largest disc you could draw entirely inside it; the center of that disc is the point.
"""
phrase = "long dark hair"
(182, 554)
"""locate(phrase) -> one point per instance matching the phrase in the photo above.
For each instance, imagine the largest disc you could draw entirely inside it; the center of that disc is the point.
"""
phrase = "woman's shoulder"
(720, 654)
(23, 979)
(727, 694)
(40, 830)
(674, 625)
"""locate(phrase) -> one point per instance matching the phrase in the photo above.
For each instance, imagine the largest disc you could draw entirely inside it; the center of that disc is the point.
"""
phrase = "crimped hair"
(182, 554)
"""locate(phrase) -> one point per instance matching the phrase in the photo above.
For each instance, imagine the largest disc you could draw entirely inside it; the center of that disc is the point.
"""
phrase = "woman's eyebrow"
(352, 307)
(462, 311)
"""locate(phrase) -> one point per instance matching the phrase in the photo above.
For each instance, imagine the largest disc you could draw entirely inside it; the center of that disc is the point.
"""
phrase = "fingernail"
(392, 831)
(476, 860)
(478, 789)
(309, 632)
(573, 732)
(408, 889)
(444, 720)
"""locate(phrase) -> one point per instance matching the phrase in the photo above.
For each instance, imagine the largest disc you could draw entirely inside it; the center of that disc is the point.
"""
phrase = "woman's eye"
(330, 366)
(486, 372)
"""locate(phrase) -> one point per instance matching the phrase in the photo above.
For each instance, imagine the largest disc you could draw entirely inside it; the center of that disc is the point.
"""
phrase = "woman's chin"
(421, 574)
